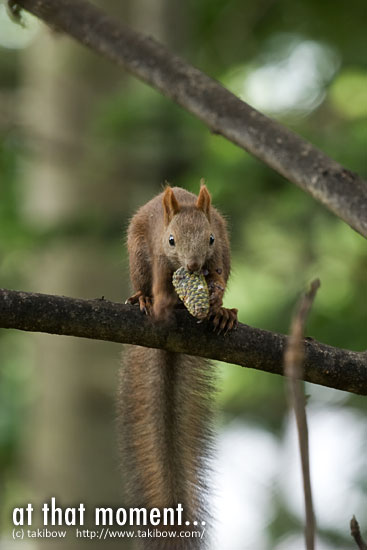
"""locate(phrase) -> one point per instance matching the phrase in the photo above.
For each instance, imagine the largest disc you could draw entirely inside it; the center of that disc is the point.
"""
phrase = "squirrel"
(165, 399)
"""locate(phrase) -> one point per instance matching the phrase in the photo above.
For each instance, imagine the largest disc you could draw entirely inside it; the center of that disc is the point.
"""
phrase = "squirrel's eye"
(171, 240)
(211, 239)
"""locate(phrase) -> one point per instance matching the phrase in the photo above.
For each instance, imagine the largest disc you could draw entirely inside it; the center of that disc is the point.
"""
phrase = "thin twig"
(340, 190)
(356, 534)
(293, 366)
(247, 346)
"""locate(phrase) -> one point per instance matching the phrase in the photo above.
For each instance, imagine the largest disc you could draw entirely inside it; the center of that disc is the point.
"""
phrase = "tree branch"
(293, 368)
(247, 346)
(340, 190)
(356, 534)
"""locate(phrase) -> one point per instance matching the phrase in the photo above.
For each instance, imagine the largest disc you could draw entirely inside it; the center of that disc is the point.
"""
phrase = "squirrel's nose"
(193, 266)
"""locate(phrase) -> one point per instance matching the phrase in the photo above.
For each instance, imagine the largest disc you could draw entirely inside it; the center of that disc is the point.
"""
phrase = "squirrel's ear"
(204, 200)
(170, 205)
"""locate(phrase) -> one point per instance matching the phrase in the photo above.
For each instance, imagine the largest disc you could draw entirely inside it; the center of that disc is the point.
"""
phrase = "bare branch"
(247, 346)
(293, 368)
(341, 191)
(356, 534)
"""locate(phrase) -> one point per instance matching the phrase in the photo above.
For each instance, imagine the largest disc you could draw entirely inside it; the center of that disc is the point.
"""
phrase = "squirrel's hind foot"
(145, 302)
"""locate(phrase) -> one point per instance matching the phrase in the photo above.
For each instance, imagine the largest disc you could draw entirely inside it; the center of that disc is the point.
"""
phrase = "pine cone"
(193, 291)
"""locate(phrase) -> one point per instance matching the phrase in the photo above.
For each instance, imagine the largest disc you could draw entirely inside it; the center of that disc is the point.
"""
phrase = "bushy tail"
(165, 413)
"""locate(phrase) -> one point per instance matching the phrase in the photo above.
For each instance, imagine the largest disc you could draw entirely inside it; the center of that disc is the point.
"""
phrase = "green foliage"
(348, 94)
(15, 394)
(13, 234)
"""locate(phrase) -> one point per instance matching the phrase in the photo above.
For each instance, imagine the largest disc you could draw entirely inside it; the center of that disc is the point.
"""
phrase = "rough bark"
(247, 346)
(340, 190)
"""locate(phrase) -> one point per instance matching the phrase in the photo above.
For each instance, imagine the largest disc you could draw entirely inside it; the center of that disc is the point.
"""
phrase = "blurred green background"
(82, 145)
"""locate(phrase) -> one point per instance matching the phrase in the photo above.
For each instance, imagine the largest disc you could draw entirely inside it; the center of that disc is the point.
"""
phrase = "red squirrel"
(165, 404)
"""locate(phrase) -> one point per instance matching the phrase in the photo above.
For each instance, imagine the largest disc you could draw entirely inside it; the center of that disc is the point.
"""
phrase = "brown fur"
(165, 404)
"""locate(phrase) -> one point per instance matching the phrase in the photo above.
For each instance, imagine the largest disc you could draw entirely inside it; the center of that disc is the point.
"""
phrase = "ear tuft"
(204, 200)
(170, 205)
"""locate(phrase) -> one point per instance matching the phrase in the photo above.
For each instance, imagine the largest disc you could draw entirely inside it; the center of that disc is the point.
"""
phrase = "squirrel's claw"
(224, 319)
(145, 302)
(233, 320)
(134, 299)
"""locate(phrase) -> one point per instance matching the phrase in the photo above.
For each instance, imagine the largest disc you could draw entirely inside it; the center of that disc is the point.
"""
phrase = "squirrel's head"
(188, 239)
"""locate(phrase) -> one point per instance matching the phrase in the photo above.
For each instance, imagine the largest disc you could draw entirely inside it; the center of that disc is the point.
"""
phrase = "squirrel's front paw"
(224, 319)
(145, 302)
